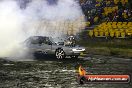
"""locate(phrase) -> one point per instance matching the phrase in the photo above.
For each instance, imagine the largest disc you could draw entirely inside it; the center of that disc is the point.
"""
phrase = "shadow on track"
(67, 62)
(45, 57)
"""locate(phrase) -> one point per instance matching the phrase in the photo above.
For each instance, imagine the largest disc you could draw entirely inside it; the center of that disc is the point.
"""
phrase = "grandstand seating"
(113, 16)
(112, 29)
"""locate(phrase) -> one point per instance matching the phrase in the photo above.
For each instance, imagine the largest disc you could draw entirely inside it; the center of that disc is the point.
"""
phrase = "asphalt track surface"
(46, 71)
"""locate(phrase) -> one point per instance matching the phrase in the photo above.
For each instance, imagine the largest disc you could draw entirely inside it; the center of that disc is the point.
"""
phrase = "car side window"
(33, 41)
(47, 41)
(40, 40)
(43, 40)
(36, 40)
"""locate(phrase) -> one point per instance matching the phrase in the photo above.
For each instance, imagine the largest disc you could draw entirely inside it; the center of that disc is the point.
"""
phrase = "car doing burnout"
(46, 45)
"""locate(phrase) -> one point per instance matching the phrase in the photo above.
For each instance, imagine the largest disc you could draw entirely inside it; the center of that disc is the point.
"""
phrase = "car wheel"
(74, 57)
(60, 54)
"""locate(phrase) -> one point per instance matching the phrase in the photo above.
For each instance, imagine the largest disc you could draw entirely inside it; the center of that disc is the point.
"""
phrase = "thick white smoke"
(38, 18)
(45, 19)
(10, 28)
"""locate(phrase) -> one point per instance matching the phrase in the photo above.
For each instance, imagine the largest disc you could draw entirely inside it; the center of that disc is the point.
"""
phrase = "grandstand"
(112, 29)
(109, 18)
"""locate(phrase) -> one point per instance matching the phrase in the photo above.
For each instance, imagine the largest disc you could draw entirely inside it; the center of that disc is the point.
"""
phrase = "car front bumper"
(71, 53)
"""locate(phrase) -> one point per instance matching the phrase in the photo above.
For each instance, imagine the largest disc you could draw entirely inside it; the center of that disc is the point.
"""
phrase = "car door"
(35, 44)
(46, 45)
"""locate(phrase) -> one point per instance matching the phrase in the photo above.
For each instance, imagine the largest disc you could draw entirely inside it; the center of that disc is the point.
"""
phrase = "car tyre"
(60, 54)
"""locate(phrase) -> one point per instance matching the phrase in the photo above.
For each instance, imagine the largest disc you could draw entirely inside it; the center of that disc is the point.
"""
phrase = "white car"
(46, 45)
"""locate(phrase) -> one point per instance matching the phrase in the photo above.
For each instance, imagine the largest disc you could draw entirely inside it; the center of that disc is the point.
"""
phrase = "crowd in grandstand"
(98, 11)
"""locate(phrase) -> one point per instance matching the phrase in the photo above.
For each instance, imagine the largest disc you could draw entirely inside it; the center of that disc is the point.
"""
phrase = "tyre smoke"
(20, 19)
